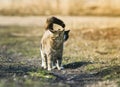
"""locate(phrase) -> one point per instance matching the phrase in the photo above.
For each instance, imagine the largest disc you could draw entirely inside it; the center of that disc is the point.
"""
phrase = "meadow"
(91, 55)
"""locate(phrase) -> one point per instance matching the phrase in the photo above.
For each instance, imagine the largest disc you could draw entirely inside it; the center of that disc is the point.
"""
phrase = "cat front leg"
(49, 63)
(59, 66)
(54, 64)
(44, 60)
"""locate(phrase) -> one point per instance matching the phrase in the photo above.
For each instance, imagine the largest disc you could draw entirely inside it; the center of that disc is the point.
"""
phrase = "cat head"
(66, 35)
(60, 34)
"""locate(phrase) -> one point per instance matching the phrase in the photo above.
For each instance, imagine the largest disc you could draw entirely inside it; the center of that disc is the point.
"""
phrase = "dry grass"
(97, 45)
(66, 7)
(104, 84)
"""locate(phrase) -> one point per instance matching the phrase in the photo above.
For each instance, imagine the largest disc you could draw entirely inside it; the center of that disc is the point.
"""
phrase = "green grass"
(42, 74)
(15, 43)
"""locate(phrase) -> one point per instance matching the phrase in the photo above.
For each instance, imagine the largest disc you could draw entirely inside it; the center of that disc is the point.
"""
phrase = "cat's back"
(46, 35)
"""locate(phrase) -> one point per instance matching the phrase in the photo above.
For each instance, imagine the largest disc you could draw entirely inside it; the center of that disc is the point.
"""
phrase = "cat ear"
(67, 31)
(66, 35)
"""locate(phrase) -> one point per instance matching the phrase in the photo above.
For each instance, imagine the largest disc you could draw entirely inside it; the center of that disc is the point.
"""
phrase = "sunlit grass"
(41, 74)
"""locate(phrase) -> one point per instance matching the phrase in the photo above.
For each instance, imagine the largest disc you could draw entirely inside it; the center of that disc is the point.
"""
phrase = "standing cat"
(52, 44)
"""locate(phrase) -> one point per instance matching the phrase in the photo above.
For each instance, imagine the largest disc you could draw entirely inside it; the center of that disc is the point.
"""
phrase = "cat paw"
(49, 69)
(44, 67)
(60, 68)
(54, 67)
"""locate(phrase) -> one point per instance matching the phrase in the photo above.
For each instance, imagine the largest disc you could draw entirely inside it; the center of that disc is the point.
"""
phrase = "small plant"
(41, 74)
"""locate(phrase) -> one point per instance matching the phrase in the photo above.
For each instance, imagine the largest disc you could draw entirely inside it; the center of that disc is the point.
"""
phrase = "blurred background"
(91, 54)
(60, 7)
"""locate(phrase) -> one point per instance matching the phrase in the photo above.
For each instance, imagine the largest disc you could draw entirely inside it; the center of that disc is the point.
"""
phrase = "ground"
(91, 55)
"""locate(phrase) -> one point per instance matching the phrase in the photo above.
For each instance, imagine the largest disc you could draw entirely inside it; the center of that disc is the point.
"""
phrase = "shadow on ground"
(72, 76)
(75, 65)
(75, 75)
(19, 70)
(109, 72)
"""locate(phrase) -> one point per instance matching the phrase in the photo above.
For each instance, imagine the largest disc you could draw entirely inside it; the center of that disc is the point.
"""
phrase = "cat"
(52, 44)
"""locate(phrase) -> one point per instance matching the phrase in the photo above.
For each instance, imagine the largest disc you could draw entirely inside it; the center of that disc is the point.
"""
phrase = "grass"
(15, 43)
(42, 74)
(100, 47)
(57, 7)
(18, 49)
